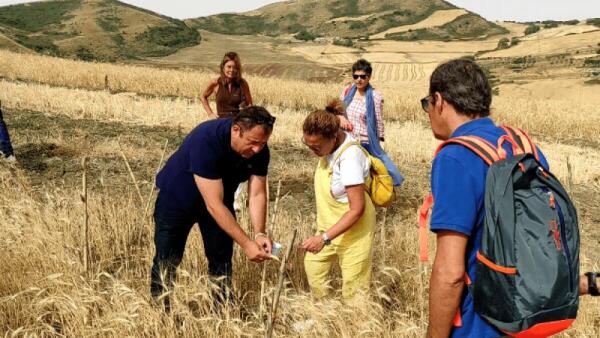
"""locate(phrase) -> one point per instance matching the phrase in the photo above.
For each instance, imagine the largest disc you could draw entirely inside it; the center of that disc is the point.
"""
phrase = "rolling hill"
(337, 19)
(106, 30)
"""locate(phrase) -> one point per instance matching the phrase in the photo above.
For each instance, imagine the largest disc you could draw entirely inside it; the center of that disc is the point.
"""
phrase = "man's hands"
(264, 242)
(255, 252)
(345, 124)
(313, 244)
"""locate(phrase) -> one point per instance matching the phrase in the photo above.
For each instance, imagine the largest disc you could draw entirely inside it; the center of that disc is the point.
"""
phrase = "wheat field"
(60, 111)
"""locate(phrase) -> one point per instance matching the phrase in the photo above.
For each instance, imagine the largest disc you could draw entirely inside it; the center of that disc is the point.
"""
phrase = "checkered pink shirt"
(356, 113)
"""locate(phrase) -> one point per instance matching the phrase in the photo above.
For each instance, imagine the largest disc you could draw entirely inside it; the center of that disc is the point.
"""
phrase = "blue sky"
(518, 10)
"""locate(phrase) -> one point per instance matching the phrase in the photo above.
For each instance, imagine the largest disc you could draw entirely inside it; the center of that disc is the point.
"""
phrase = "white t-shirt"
(351, 168)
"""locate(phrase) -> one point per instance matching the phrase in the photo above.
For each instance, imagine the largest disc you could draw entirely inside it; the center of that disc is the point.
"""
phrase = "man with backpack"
(489, 278)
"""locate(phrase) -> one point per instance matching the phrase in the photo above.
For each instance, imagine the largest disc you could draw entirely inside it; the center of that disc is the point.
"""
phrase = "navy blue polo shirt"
(457, 183)
(207, 152)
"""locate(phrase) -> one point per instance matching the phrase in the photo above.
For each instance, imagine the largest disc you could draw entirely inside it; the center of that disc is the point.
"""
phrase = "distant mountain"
(105, 30)
(337, 18)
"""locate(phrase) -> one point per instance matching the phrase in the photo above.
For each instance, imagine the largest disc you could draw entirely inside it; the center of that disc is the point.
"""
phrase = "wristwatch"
(327, 241)
(592, 286)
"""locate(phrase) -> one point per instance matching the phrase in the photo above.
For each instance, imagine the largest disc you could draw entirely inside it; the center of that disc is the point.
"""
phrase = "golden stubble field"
(60, 111)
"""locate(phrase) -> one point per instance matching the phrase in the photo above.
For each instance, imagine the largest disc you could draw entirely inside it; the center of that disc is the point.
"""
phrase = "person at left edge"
(197, 185)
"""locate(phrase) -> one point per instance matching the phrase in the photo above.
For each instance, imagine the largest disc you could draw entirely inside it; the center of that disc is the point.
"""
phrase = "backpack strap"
(344, 148)
(423, 235)
(522, 139)
(482, 148)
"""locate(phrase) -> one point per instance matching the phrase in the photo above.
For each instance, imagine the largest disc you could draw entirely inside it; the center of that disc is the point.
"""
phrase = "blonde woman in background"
(230, 89)
(231, 94)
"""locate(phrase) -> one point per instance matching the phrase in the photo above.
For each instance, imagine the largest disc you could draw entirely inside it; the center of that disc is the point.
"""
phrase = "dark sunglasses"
(425, 103)
(362, 76)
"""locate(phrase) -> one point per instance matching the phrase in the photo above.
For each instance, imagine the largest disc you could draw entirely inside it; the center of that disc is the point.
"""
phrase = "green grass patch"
(36, 16)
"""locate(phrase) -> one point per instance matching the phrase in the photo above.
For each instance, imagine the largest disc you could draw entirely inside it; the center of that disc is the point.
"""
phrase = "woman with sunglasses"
(364, 115)
(230, 89)
(345, 212)
(355, 97)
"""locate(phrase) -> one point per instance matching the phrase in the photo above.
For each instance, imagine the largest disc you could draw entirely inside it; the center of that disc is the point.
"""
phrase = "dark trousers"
(5, 146)
(171, 229)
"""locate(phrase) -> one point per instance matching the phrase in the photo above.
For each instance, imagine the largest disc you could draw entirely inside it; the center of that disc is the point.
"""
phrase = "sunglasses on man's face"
(425, 103)
(362, 76)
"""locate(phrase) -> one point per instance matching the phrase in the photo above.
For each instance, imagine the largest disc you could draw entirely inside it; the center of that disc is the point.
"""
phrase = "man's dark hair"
(253, 116)
(464, 85)
(363, 65)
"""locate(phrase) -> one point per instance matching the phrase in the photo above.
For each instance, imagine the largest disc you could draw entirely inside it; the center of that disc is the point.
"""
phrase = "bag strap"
(482, 148)
(423, 235)
(346, 146)
(522, 139)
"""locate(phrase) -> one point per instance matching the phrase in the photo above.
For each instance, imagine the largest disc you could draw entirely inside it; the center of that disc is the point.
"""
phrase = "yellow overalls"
(352, 248)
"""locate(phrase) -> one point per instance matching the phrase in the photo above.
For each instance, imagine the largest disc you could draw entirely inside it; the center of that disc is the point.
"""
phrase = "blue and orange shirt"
(458, 184)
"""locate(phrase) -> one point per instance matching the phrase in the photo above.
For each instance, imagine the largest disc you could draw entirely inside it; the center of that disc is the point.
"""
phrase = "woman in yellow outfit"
(345, 213)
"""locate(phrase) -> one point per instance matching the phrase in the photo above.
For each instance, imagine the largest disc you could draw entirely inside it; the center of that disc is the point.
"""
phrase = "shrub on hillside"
(109, 23)
(592, 62)
(39, 43)
(343, 42)
(171, 36)
(550, 24)
(35, 16)
(595, 22)
(467, 26)
(84, 54)
(571, 22)
(514, 41)
(503, 43)
(305, 35)
(358, 25)
(532, 29)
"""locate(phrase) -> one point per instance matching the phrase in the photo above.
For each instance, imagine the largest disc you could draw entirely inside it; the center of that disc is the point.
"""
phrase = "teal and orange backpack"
(527, 273)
